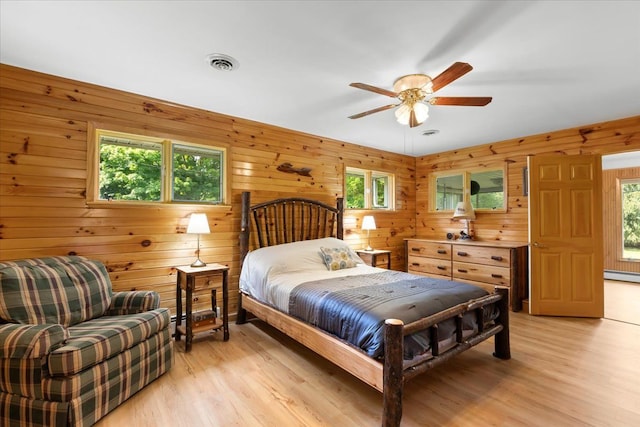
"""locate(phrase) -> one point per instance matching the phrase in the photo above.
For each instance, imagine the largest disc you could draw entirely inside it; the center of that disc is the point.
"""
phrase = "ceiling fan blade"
(374, 89)
(375, 110)
(452, 73)
(466, 101)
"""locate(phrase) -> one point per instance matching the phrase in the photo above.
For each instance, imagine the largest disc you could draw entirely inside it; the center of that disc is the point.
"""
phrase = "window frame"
(466, 187)
(370, 202)
(168, 142)
(620, 231)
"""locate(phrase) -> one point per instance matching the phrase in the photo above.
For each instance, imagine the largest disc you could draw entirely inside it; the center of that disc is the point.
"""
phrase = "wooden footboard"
(389, 377)
(397, 371)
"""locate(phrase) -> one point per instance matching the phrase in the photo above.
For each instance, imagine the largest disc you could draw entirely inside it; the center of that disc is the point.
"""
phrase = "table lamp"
(198, 224)
(368, 223)
(465, 211)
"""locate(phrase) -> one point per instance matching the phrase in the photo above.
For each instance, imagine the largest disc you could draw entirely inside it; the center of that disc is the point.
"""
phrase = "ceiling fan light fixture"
(403, 113)
(413, 81)
(422, 111)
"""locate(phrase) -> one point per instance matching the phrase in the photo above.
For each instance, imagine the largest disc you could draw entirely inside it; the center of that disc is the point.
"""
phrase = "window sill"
(102, 204)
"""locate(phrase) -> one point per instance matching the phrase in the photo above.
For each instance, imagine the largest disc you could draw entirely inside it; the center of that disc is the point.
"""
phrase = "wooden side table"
(193, 279)
(376, 257)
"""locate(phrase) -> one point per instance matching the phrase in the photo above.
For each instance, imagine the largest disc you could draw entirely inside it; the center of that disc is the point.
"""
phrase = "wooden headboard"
(287, 220)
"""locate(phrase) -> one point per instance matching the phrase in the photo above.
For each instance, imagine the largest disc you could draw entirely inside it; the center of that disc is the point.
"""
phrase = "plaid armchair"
(71, 350)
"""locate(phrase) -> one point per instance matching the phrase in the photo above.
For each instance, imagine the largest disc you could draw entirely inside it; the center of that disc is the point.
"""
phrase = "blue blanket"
(354, 308)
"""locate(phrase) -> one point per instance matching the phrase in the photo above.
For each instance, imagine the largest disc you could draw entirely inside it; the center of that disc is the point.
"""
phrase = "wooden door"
(565, 230)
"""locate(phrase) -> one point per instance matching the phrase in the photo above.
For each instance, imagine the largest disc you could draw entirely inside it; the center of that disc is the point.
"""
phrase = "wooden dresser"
(482, 263)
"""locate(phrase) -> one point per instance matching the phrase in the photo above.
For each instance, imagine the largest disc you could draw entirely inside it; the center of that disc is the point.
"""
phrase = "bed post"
(244, 249)
(340, 225)
(502, 345)
(392, 377)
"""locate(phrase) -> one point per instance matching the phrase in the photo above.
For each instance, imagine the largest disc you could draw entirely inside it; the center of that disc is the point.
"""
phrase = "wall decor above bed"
(288, 168)
(382, 326)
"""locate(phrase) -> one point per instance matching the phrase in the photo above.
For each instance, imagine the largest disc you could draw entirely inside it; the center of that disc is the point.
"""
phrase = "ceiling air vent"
(222, 62)
(430, 132)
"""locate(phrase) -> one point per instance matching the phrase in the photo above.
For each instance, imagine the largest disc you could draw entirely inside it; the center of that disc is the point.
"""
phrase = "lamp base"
(368, 248)
(198, 263)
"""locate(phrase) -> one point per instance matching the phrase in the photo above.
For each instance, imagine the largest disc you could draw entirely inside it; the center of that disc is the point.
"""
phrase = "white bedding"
(269, 274)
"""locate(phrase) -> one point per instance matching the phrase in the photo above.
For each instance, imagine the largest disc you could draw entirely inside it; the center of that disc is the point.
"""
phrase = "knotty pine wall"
(44, 122)
(612, 216)
(603, 138)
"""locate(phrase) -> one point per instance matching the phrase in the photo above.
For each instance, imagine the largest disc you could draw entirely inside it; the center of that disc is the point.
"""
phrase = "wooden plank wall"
(612, 216)
(602, 138)
(44, 122)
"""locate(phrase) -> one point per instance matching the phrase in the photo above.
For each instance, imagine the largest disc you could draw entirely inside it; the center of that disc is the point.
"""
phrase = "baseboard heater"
(625, 276)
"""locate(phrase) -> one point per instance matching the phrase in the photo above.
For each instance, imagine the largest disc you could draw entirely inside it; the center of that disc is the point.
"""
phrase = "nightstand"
(376, 257)
(198, 279)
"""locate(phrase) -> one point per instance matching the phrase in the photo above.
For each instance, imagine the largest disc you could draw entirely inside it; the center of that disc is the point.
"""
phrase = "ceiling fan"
(412, 91)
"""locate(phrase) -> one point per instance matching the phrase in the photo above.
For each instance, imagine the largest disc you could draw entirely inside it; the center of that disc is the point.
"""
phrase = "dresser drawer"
(482, 273)
(429, 265)
(429, 249)
(500, 257)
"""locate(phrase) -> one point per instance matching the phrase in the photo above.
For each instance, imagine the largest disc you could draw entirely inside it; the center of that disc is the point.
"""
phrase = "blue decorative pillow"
(337, 258)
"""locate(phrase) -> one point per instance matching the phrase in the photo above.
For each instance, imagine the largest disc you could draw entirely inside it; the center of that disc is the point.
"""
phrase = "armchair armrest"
(19, 341)
(133, 302)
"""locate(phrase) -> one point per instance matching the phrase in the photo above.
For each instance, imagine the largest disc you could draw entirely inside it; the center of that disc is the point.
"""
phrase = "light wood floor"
(622, 301)
(564, 372)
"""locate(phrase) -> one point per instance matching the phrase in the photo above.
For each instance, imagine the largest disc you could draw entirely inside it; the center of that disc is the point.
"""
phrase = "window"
(630, 191)
(366, 189)
(485, 189)
(136, 168)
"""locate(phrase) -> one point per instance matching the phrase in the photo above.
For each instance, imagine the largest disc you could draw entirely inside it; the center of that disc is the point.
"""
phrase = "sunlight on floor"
(622, 301)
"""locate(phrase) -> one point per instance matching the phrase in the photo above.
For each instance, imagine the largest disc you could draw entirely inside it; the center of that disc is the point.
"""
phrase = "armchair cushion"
(57, 290)
(97, 340)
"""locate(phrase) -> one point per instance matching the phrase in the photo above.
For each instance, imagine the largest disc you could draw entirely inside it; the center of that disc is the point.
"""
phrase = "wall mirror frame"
(486, 188)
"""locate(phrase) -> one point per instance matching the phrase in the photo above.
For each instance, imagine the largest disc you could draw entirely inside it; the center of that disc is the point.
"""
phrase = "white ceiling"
(548, 65)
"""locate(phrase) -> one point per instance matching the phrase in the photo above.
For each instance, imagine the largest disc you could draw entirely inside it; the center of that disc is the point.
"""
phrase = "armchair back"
(63, 290)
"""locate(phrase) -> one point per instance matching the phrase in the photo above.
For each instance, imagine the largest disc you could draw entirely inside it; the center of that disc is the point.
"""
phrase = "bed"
(383, 327)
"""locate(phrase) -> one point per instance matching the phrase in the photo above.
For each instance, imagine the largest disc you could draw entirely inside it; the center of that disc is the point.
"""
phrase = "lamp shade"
(422, 111)
(464, 210)
(368, 223)
(198, 224)
(402, 114)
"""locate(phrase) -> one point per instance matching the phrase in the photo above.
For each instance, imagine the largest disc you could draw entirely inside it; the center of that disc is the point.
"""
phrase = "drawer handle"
(496, 258)
(441, 267)
(462, 253)
(415, 264)
(496, 276)
(415, 249)
(462, 271)
(442, 251)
